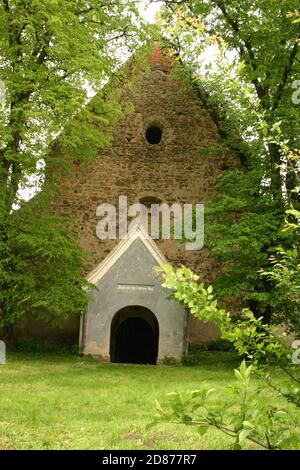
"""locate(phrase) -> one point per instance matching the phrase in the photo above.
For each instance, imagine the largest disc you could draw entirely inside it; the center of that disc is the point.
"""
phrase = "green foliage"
(250, 336)
(285, 272)
(54, 55)
(42, 268)
(246, 87)
(192, 357)
(220, 344)
(170, 361)
(43, 347)
(242, 227)
(218, 360)
(57, 402)
(247, 91)
(195, 355)
(242, 230)
(253, 66)
(247, 417)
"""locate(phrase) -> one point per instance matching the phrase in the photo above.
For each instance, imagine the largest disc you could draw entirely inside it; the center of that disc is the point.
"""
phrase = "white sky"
(148, 10)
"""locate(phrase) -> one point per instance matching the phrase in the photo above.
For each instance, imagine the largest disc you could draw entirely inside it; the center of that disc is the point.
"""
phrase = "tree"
(264, 55)
(267, 425)
(43, 268)
(285, 272)
(53, 55)
(246, 417)
(247, 90)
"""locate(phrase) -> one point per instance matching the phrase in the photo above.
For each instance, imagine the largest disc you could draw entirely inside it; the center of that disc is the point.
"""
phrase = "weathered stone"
(2, 352)
(130, 282)
(178, 169)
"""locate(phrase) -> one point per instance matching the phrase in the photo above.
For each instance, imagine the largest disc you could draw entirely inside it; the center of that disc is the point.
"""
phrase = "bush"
(220, 345)
(196, 354)
(247, 418)
(43, 346)
(193, 357)
(170, 361)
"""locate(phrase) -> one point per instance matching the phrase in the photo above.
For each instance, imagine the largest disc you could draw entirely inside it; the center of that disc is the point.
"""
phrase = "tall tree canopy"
(53, 55)
(242, 60)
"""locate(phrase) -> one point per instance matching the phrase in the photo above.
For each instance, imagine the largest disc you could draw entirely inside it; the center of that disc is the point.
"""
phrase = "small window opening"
(153, 135)
(149, 200)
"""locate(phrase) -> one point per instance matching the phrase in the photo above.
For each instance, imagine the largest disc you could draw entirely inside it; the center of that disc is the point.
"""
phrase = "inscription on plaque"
(135, 287)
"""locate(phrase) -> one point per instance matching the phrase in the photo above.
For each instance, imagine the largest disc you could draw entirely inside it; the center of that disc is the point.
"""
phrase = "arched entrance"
(134, 336)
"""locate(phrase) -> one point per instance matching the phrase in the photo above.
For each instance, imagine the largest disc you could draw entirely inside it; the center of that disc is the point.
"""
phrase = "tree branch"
(286, 74)
(246, 46)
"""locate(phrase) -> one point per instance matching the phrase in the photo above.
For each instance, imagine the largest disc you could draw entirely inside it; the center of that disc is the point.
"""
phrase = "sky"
(148, 10)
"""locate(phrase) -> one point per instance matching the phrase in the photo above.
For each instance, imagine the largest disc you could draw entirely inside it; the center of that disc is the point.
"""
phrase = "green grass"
(69, 402)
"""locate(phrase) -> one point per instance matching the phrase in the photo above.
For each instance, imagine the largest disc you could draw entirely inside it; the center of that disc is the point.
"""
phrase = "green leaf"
(202, 429)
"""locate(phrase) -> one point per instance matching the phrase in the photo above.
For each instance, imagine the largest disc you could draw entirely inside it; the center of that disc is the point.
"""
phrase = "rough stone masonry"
(177, 169)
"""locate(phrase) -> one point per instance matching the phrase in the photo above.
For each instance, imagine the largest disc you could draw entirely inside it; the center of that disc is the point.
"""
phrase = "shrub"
(43, 346)
(170, 361)
(193, 356)
(220, 344)
(247, 417)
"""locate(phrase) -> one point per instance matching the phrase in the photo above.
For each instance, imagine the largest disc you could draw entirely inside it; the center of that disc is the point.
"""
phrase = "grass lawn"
(69, 402)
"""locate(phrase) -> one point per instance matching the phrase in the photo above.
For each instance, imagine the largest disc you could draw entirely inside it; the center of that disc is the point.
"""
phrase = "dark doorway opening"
(134, 336)
(153, 135)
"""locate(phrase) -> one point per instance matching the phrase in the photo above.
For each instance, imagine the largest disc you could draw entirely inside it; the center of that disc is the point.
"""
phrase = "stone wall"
(178, 169)
(133, 269)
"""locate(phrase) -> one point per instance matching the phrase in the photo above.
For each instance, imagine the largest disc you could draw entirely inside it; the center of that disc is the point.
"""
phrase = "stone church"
(158, 154)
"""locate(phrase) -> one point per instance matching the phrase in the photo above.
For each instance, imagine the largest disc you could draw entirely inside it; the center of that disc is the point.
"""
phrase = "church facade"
(161, 152)
(130, 317)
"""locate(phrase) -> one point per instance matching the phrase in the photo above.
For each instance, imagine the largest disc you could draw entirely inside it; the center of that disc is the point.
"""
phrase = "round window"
(153, 135)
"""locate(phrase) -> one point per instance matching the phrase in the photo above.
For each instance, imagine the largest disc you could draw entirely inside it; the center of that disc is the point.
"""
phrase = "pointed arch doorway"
(134, 336)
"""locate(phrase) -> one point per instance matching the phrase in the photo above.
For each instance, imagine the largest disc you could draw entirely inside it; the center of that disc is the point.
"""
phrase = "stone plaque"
(2, 352)
(135, 287)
